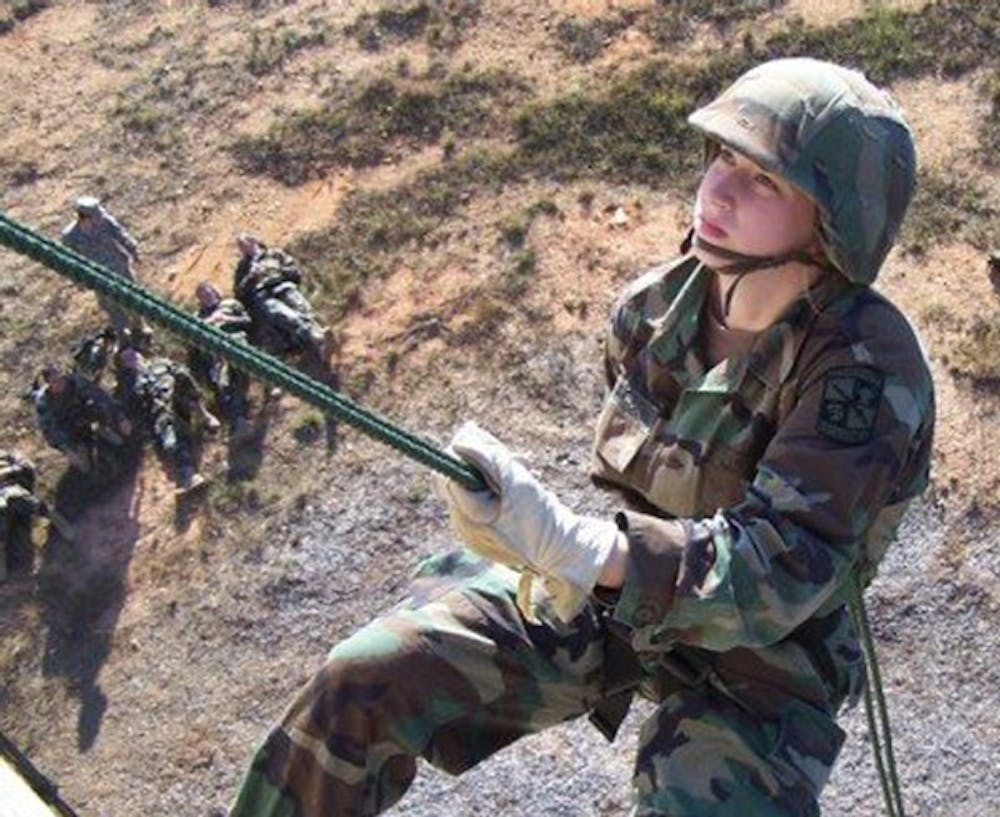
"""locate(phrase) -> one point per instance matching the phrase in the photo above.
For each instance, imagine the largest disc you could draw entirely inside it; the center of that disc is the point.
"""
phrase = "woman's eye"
(726, 156)
(766, 182)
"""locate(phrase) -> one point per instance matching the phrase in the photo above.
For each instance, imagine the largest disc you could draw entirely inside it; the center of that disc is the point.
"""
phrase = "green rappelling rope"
(264, 366)
(876, 710)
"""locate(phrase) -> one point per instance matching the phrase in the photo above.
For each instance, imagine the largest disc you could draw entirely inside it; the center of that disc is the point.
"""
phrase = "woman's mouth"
(709, 229)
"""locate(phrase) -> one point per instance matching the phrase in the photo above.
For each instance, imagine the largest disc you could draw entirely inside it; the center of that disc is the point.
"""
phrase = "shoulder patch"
(849, 406)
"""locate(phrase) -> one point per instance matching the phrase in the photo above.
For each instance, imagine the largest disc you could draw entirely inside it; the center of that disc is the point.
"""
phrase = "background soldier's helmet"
(87, 205)
(834, 135)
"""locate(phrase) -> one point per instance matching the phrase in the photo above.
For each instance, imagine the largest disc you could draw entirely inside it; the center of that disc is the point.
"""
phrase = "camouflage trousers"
(457, 673)
(120, 319)
(17, 508)
(287, 311)
(173, 438)
(230, 386)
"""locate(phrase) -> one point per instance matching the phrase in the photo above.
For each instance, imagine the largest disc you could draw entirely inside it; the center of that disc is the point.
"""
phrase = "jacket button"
(645, 614)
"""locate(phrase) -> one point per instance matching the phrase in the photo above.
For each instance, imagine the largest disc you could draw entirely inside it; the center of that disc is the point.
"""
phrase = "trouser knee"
(369, 698)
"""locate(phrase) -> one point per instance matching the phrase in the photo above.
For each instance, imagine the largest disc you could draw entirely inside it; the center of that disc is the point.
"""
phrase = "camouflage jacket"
(790, 467)
(164, 387)
(109, 244)
(17, 481)
(230, 316)
(66, 419)
(254, 277)
(16, 470)
(18, 502)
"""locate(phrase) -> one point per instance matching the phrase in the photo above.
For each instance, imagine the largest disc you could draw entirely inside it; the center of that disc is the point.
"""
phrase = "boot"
(188, 480)
(212, 424)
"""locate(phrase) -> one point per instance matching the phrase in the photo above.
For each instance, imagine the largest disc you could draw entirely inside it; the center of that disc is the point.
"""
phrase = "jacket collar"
(775, 350)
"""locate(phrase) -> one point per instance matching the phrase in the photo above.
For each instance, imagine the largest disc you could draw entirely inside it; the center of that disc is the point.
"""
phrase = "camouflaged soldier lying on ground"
(164, 399)
(769, 419)
(229, 384)
(266, 281)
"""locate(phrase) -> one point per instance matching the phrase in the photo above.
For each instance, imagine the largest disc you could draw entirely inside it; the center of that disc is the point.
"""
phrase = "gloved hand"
(522, 524)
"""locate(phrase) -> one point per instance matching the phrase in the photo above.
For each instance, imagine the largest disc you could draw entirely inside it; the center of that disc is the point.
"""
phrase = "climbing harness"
(211, 339)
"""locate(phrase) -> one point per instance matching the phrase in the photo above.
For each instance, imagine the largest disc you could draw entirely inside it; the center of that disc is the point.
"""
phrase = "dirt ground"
(142, 661)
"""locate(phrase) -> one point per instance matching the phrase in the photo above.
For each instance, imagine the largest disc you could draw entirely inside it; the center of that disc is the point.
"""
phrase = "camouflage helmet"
(831, 133)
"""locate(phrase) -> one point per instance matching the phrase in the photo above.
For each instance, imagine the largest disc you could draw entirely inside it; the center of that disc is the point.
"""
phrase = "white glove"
(522, 524)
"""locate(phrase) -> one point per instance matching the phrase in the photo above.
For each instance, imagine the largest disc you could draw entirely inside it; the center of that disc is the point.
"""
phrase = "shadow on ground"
(82, 584)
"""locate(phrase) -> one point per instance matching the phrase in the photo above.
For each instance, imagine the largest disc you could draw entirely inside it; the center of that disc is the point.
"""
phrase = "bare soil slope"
(469, 184)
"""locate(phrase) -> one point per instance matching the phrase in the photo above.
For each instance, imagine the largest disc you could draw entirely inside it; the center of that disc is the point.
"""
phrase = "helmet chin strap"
(740, 264)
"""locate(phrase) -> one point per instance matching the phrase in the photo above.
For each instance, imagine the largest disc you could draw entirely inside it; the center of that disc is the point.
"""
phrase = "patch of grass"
(184, 89)
(487, 312)
(976, 352)
(989, 128)
(374, 225)
(308, 427)
(675, 20)
(250, 5)
(950, 37)
(18, 11)
(407, 23)
(514, 228)
(440, 23)
(583, 40)
(20, 172)
(515, 278)
(141, 116)
(940, 316)
(270, 49)
(950, 208)
(384, 115)
(636, 130)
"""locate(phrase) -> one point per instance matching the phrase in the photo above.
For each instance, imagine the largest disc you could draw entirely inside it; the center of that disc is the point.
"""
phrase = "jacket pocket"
(625, 423)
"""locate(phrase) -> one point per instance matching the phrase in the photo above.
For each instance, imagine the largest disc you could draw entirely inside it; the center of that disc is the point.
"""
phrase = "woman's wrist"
(613, 573)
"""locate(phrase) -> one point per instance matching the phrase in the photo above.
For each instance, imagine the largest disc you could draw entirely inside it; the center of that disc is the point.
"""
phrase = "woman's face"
(744, 208)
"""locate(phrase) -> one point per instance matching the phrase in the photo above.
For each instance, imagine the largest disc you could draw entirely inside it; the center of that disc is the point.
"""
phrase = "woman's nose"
(720, 192)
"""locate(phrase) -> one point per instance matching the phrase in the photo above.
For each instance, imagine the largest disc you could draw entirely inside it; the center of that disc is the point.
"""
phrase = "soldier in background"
(266, 281)
(18, 508)
(97, 235)
(79, 418)
(164, 399)
(229, 384)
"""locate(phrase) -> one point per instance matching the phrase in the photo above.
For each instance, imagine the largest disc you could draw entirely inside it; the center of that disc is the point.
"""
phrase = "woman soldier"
(769, 419)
